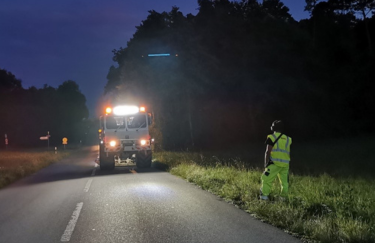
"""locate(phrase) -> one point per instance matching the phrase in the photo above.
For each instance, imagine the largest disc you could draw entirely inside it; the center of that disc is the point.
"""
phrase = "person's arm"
(267, 154)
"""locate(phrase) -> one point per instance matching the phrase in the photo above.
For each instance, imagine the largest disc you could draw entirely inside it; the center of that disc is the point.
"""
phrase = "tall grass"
(17, 164)
(330, 200)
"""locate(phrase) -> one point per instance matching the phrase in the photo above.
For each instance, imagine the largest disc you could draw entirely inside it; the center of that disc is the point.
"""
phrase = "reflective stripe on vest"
(282, 152)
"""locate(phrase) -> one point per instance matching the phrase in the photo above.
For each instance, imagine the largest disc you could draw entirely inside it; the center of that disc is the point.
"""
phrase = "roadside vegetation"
(331, 197)
(18, 164)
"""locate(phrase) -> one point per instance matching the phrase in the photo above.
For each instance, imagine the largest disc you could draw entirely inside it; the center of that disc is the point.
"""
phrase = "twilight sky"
(49, 42)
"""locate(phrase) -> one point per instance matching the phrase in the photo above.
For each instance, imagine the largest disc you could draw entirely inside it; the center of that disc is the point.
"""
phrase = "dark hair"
(277, 126)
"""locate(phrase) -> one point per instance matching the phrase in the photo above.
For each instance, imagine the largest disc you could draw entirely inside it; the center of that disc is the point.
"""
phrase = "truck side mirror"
(149, 119)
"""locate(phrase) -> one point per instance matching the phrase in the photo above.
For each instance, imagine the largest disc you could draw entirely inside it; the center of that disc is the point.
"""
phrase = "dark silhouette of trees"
(362, 7)
(8, 82)
(237, 66)
(27, 114)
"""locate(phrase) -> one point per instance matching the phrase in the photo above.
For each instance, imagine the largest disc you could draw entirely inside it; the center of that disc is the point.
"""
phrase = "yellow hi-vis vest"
(280, 154)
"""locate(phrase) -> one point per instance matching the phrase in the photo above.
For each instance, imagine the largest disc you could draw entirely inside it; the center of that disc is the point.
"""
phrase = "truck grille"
(128, 143)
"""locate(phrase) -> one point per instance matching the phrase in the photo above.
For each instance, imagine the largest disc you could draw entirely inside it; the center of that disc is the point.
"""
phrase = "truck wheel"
(107, 163)
(144, 159)
(101, 151)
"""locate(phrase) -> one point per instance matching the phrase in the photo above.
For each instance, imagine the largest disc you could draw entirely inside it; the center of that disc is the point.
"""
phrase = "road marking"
(72, 223)
(88, 184)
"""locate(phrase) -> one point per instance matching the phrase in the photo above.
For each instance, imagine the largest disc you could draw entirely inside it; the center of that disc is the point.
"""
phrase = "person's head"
(277, 126)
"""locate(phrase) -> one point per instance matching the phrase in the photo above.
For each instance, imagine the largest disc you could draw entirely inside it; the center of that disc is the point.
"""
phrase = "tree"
(362, 7)
(27, 114)
(310, 5)
(8, 82)
(72, 109)
(277, 9)
(235, 66)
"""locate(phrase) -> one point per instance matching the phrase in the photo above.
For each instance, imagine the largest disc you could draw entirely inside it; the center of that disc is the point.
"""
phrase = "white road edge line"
(88, 184)
(72, 223)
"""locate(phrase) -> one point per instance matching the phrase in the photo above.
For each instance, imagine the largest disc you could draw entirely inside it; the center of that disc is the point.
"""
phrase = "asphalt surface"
(73, 201)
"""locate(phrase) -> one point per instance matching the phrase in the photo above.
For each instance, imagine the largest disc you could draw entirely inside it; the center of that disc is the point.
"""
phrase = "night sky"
(49, 42)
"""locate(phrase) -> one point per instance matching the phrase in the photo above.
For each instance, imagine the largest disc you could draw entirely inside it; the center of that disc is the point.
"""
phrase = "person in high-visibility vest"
(276, 161)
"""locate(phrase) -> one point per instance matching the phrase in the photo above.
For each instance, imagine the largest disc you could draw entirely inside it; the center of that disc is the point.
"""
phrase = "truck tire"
(106, 163)
(101, 151)
(144, 159)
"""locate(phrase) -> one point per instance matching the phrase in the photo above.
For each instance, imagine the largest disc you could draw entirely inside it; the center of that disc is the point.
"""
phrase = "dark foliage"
(237, 66)
(28, 114)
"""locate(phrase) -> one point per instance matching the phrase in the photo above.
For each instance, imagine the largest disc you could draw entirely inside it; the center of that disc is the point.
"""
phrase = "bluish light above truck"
(159, 55)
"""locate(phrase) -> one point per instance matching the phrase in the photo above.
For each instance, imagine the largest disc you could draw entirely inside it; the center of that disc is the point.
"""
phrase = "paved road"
(73, 201)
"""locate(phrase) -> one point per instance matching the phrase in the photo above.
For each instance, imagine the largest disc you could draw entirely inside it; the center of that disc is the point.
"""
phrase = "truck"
(124, 137)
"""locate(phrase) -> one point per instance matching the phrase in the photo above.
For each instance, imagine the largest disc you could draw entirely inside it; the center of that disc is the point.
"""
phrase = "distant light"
(159, 55)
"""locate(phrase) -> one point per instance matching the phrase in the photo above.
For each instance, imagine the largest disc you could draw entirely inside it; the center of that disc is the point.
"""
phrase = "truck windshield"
(136, 121)
(113, 122)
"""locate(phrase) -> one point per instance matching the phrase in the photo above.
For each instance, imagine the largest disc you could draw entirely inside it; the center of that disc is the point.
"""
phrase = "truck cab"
(124, 137)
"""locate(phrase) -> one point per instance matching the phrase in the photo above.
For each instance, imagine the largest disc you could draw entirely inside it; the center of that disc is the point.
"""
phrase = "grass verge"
(18, 164)
(320, 207)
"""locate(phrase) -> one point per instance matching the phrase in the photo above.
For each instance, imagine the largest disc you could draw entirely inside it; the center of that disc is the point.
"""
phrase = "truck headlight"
(143, 142)
(112, 143)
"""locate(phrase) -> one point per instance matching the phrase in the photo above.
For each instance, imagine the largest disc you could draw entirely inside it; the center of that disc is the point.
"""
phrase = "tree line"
(236, 66)
(28, 114)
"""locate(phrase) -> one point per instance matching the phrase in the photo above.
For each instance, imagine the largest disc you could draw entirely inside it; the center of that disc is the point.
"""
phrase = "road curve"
(73, 201)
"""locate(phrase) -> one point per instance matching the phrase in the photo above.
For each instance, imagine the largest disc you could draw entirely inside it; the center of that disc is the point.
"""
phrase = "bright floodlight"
(125, 110)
